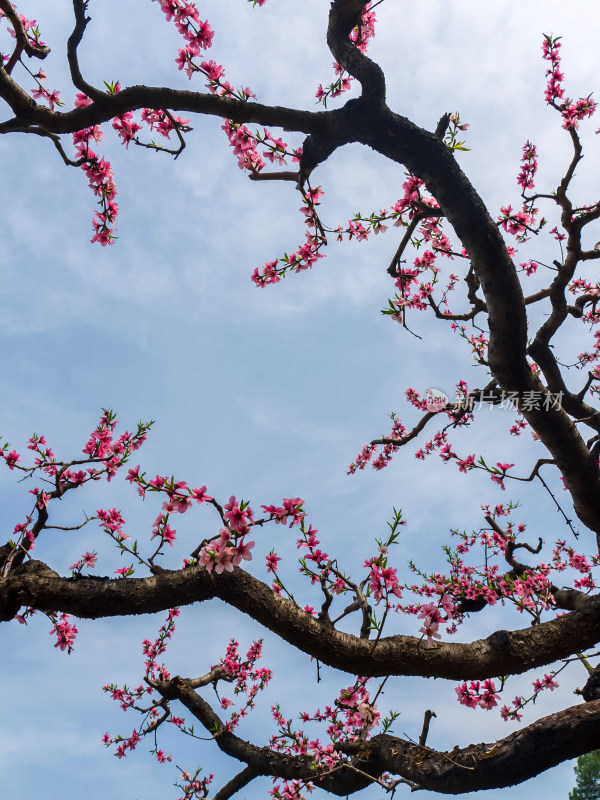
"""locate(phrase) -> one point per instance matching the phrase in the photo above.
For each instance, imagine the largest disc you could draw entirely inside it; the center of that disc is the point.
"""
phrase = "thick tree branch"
(509, 761)
(428, 158)
(516, 758)
(16, 97)
(343, 17)
(177, 100)
(503, 652)
(260, 760)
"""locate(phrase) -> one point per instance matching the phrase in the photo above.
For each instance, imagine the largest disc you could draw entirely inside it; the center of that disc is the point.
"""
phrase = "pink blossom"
(468, 696)
(546, 683)
(272, 561)
(369, 714)
(239, 517)
(11, 459)
(89, 559)
(65, 633)
(488, 698)
(133, 474)
(199, 495)
(242, 551)
(177, 505)
(218, 556)
(431, 622)
(466, 464)
(82, 100)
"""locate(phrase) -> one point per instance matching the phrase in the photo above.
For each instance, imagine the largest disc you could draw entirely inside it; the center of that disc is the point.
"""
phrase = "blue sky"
(259, 393)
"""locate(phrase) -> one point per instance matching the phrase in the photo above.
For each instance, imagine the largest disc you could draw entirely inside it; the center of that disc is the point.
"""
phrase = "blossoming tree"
(468, 275)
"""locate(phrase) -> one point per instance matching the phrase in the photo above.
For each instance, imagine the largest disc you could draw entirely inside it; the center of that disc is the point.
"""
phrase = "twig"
(81, 22)
(55, 141)
(159, 148)
(423, 737)
(285, 175)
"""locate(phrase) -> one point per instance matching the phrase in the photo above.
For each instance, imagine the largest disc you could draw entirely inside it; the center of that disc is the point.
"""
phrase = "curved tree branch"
(516, 758)
(343, 17)
(23, 44)
(81, 23)
(133, 98)
(428, 158)
(509, 761)
(500, 653)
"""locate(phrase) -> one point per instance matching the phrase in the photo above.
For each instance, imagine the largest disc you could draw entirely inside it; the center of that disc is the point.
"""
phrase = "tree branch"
(501, 653)
(516, 758)
(136, 97)
(343, 17)
(81, 22)
(509, 761)
(430, 160)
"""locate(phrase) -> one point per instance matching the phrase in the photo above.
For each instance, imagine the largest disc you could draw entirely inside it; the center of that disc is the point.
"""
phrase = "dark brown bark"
(517, 757)
(509, 761)
(502, 653)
